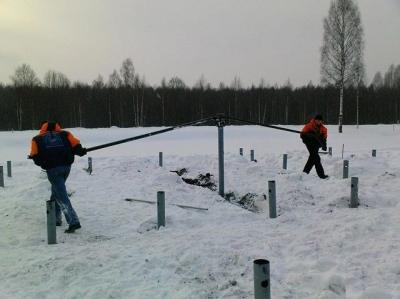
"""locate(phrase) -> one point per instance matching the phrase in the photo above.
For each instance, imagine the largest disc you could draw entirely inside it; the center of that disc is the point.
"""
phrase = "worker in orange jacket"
(314, 136)
(53, 150)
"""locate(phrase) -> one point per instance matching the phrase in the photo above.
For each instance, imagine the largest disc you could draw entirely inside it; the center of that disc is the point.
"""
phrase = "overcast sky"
(220, 39)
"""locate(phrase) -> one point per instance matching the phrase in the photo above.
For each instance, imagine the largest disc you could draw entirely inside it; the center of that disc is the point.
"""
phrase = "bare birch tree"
(114, 80)
(98, 82)
(359, 80)
(377, 81)
(24, 79)
(128, 76)
(25, 76)
(389, 79)
(236, 85)
(201, 85)
(128, 73)
(342, 47)
(176, 83)
(54, 79)
(397, 76)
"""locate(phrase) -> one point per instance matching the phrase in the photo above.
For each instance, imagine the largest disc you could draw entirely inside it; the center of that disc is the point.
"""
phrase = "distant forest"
(127, 101)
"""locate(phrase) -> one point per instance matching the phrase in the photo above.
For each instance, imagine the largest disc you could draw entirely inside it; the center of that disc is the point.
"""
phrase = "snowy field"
(317, 246)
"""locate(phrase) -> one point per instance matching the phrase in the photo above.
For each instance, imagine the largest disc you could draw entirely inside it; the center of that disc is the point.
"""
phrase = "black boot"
(72, 228)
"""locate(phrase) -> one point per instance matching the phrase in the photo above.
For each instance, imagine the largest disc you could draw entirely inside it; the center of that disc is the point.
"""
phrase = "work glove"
(324, 145)
(36, 159)
(79, 150)
(84, 152)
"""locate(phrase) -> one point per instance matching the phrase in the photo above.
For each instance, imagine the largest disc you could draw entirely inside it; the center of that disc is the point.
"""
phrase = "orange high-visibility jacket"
(318, 130)
(34, 146)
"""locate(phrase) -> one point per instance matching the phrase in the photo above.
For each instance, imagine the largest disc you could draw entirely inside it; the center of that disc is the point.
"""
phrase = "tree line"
(127, 101)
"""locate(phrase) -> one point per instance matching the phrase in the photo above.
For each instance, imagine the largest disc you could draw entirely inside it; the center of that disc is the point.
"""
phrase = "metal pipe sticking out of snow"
(9, 169)
(262, 285)
(354, 202)
(284, 166)
(160, 159)
(51, 222)
(221, 173)
(160, 209)
(90, 165)
(272, 199)
(345, 169)
(1, 176)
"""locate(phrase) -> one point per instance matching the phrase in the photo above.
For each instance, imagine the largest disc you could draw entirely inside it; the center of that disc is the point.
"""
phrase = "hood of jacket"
(44, 128)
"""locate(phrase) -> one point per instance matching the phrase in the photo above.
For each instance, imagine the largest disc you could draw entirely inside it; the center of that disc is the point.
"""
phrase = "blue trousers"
(57, 177)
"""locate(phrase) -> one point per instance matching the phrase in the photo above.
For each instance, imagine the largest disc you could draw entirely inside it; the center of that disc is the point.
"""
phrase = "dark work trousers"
(314, 160)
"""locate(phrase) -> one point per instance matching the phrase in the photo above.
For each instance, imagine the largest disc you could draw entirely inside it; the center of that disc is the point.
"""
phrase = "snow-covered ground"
(317, 246)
